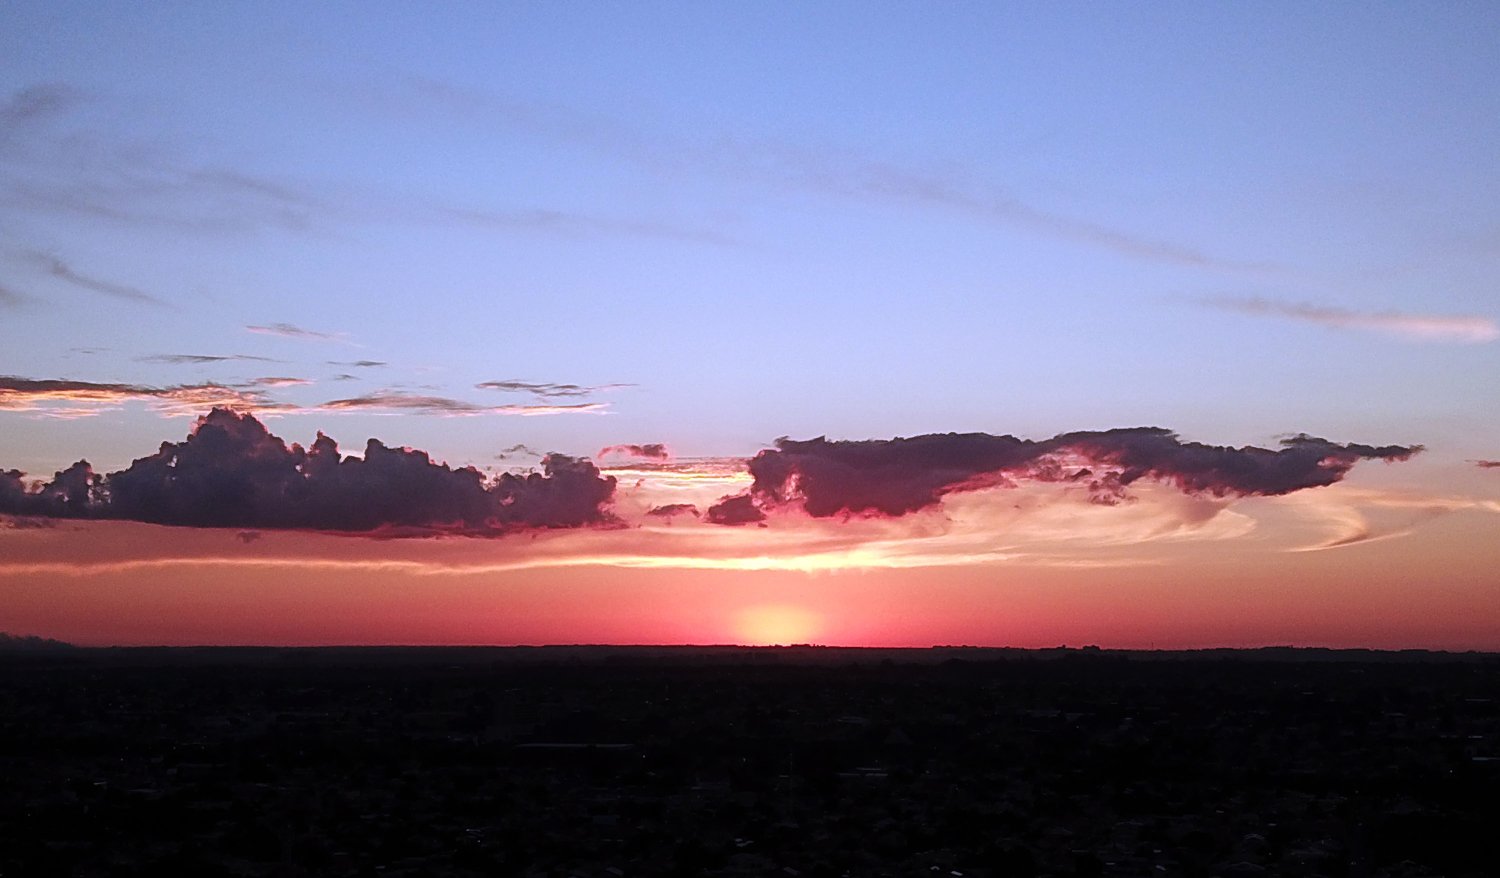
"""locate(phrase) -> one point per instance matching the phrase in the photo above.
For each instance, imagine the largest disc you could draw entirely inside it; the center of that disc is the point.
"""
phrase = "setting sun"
(776, 625)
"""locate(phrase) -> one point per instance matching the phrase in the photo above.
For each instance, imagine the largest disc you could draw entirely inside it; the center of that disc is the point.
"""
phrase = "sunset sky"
(670, 245)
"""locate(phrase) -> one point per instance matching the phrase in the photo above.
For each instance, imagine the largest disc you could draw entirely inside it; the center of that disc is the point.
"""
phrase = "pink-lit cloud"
(63, 398)
(1467, 329)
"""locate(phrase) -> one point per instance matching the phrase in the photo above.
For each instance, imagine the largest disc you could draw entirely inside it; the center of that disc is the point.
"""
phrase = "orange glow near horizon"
(777, 625)
(1355, 565)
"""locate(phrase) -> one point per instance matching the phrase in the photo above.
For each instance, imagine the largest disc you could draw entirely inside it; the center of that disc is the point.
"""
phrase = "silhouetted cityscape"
(747, 762)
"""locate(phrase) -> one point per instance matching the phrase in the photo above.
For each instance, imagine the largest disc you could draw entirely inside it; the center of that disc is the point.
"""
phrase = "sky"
(1166, 324)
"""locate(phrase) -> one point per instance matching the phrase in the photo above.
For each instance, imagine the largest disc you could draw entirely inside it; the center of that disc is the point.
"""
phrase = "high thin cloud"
(57, 268)
(893, 477)
(839, 173)
(277, 381)
(571, 223)
(62, 161)
(1466, 329)
(67, 398)
(37, 102)
(9, 298)
(202, 359)
(288, 330)
(547, 390)
(651, 451)
(358, 364)
(231, 472)
(440, 405)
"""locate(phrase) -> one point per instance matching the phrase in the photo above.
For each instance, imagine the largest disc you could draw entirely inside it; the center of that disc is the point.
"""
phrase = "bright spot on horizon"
(776, 625)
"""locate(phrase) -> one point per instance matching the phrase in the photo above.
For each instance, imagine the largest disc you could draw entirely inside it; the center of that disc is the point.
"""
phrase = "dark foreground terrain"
(611, 762)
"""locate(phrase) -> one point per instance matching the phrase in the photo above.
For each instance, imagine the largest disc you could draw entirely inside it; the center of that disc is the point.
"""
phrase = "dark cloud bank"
(231, 472)
(892, 477)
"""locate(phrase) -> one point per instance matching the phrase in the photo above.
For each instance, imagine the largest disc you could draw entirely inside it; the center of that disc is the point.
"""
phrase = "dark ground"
(608, 762)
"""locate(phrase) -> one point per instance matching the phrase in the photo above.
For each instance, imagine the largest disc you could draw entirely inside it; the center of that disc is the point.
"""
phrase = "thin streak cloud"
(391, 401)
(201, 359)
(842, 173)
(288, 330)
(63, 398)
(546, 389)
(1464, 329)
(57, 268)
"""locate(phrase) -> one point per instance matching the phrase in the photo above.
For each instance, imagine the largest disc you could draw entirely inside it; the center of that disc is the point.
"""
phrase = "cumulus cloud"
(652, 451)
(68, 398)
(547, 390)
(893, 477)
(232, 472)
(1467, 329)
(736, 510)
(391, 401)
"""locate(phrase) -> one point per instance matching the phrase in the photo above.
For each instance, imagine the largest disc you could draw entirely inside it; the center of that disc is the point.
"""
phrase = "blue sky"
(854, 219)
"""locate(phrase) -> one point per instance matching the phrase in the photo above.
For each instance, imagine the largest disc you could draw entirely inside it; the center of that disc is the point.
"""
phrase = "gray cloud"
(393, 401)
(57, 268)
(36, 102)
(548, 390)
(232, 472)
(201, 359)
(287, 330)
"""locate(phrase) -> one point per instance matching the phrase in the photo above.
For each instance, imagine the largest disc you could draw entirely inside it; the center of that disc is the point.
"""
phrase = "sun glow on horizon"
(776, 625)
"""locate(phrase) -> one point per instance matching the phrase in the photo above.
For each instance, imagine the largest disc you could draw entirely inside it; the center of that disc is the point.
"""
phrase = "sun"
(776, 625)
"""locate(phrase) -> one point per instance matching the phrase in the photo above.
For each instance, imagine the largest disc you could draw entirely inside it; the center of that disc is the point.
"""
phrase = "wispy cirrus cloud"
(1465, 329)
(202, 359)
(288, 330)
(572, 224)
(54, 266)
(396, 401)
(9, 298)
(845, 174)
(37, 102)
(64, 398)
(278, 381)
(66, 162)
(548, 390)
